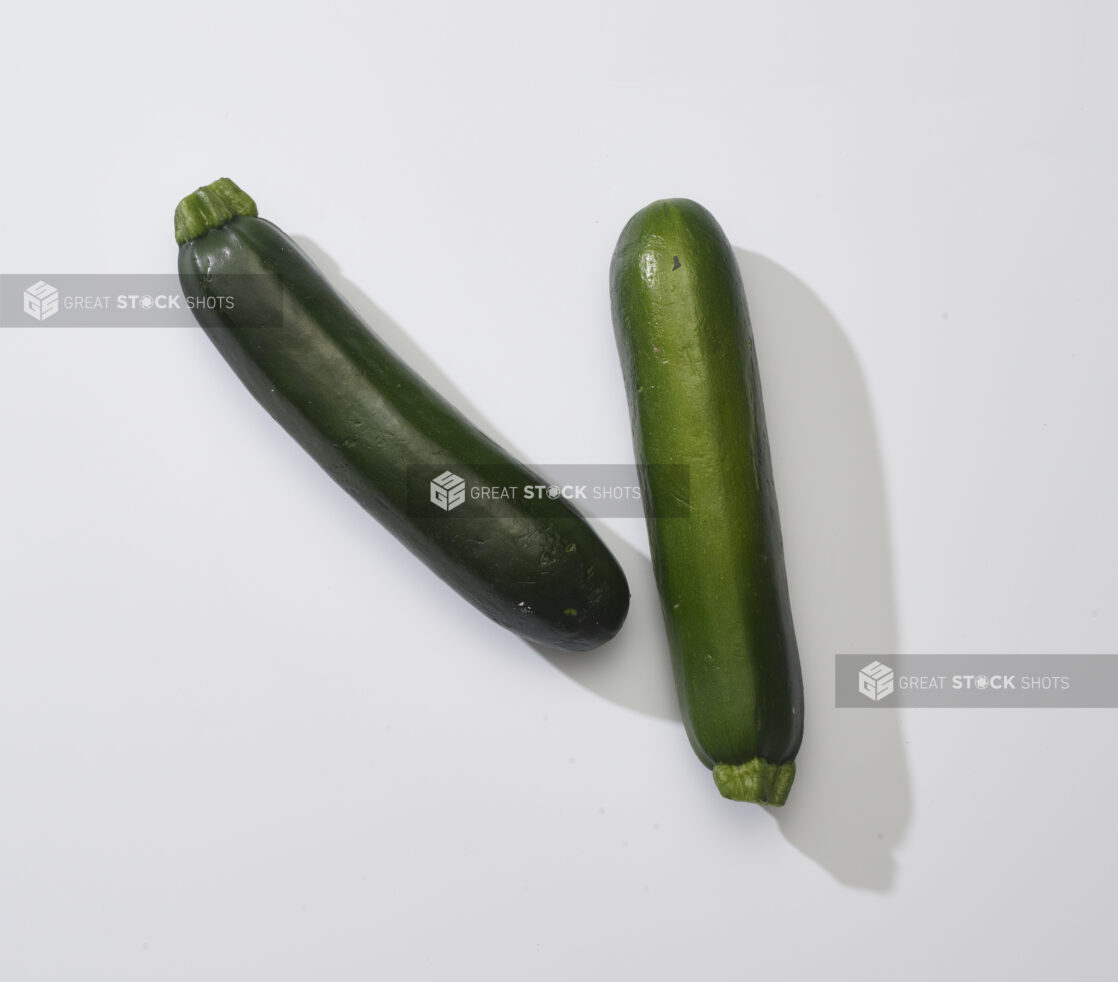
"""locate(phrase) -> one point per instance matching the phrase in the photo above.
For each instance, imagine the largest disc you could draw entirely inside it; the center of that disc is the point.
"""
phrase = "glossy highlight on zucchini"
(534, 567)
(687, 355)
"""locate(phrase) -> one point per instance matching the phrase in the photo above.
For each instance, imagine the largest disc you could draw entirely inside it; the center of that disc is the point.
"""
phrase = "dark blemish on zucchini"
(677, 263)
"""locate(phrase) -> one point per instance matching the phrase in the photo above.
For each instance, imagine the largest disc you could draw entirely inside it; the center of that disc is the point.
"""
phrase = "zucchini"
(534, 566)
(686, 347)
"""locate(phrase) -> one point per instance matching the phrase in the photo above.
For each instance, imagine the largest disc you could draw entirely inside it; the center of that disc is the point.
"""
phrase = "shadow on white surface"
(635, 668)
(851, 802)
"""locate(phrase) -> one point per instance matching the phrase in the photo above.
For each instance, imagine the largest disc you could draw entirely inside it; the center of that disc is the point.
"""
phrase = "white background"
(245, 735)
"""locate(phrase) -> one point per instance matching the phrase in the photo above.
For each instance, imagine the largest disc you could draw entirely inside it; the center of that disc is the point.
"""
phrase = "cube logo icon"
(40, 300)
(875, 681)
(448, 491)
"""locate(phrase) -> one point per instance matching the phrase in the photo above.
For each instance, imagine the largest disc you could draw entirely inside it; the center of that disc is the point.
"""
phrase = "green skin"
(686, 348)
(535, 567)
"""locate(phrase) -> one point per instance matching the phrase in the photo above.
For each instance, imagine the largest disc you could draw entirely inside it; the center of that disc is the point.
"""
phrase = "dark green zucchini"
(686, 346)
(534, 566)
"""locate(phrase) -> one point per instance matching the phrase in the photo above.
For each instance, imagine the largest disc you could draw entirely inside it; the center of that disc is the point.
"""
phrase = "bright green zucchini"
(534, 566)
(686, 346)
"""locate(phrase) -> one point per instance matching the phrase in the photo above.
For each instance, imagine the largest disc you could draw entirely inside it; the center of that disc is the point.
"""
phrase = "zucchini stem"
(211, 207)
(756, 780)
